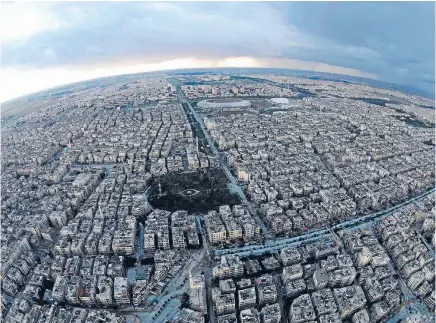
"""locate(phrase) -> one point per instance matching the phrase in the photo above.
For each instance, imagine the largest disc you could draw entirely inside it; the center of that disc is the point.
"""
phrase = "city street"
(236, 188)
(328, 189)
(274, 245)
(169, 302)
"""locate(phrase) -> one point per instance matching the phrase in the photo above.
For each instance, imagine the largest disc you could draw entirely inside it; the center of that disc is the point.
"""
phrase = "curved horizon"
(46, 45)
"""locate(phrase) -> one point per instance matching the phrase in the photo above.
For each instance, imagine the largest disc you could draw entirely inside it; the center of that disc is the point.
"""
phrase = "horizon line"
(387, 83)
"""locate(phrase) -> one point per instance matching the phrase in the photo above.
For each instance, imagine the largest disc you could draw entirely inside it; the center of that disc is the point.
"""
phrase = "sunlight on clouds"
(238, 62)
(19, 21)
(15, 82)
(47, 44)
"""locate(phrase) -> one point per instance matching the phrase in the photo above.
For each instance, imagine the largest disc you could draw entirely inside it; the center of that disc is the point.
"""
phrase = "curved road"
(272, 245)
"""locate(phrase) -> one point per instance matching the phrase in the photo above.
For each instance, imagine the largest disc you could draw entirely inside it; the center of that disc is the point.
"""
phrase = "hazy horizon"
(344, 77)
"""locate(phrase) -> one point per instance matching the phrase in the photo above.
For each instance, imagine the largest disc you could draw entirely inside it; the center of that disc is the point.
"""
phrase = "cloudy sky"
(48, 44)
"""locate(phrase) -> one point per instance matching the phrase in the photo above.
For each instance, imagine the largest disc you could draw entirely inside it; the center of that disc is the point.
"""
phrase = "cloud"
(362, 53)
(157, 31)
(15, 81)
(314, 66)
(20, 22)
(385, 38)
(362, 39)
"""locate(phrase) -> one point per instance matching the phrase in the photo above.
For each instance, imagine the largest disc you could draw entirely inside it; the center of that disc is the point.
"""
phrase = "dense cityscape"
(218, 197)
